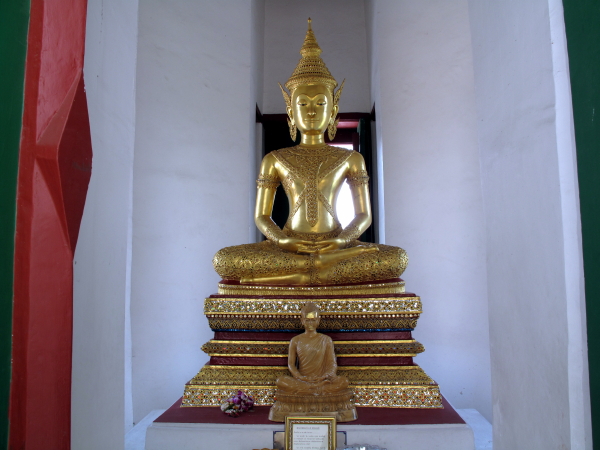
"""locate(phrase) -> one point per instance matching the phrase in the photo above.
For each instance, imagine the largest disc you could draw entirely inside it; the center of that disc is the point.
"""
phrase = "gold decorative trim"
(215, 395)
(323, 317)
(384, 341)
(357, 355)
(244, 368)
(374, 355)
(266, 375)
(422, 397)
(395, 287)
(278, 349)
(246, 355)
(385, 386)
(222, 341)
(415, 367)
(229, 368)
(375, 376)
(292, 307)
(357, 342)
(287, 323)
(378, 349)
(224, 386)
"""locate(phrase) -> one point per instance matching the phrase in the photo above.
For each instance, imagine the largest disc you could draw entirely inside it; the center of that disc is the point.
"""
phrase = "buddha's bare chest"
(311, 180)
(323, 171)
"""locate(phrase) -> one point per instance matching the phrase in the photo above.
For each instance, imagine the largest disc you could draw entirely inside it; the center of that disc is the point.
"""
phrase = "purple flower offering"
(237, 404)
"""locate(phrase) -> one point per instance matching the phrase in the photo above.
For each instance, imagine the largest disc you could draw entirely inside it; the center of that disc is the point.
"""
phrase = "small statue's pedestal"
(314, 405)
(393, 428)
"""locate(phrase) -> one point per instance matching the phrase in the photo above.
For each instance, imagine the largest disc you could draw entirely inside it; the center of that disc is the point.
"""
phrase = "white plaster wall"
(101, 397)
(194, 147)
(340, 29)
(373, 58)
(198, 80)
(537, 331)
(579, 388)
(422, 79)
(257, 72)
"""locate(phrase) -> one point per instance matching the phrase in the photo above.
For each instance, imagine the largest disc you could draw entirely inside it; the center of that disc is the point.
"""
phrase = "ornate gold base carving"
(215, 395)
(340, 323)
(282, 306)
(340, 404)
(386, 312)
(393, 287)
(384, 386)
(279, 349)
(401, 397)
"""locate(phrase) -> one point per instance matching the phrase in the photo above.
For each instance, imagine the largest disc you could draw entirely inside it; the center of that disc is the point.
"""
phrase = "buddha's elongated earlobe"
(332, 128)
(286, 97)
(293, 129)
(338, 94)
(288, 107)
(333, 122)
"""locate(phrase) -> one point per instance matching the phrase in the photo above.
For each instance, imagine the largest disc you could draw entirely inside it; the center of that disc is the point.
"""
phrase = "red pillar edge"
(54, 171)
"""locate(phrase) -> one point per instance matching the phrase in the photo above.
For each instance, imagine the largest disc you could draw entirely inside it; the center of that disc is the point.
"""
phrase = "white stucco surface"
(194, 150)
(529, 184)
(340, 29)
(101, 391)
(422, 86)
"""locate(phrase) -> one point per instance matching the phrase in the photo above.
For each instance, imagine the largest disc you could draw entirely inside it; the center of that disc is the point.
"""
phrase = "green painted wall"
(14, 21)
(582, 20)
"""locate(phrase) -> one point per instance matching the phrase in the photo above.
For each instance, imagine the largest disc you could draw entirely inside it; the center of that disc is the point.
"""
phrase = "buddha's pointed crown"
(310, 69)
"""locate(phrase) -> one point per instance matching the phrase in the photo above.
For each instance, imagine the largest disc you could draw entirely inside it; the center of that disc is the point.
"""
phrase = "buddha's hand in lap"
(319, 380)
(330, 245)
(338, 244)
(294, 245)
(302, 246)
(326, 246)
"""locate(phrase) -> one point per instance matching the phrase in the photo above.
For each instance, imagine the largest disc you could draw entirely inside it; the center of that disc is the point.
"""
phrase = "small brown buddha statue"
(312, 248)
(314, 387)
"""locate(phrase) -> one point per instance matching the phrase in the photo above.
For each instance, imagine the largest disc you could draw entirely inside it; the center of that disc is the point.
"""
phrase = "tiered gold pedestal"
(370, 325)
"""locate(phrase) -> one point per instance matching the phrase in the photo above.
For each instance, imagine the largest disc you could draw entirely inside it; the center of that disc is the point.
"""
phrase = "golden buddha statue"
(314, 386)
(265, 286)
(312, 248)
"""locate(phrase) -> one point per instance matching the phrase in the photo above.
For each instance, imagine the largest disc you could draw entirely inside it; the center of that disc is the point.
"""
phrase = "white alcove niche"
(475, 175)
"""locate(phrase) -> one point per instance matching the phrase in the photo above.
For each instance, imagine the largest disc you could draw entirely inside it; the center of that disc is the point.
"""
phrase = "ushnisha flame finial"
(310, 46)
(311, 69)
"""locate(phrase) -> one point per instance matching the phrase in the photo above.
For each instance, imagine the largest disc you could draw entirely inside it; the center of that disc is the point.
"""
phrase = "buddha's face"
(311, 321)
(312, 108)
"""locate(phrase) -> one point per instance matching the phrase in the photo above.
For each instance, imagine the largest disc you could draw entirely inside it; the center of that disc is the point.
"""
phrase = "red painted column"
(54, 171)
